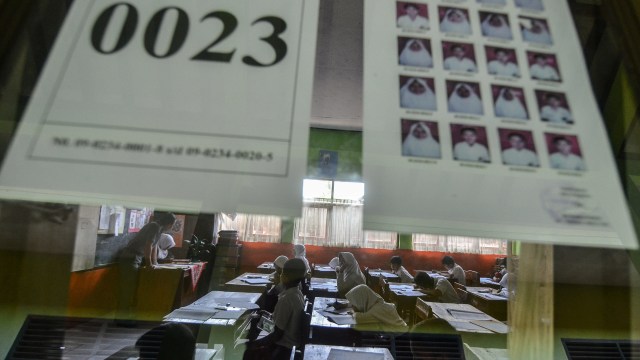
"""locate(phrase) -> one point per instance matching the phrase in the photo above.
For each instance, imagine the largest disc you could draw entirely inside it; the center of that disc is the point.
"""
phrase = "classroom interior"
(58, 260)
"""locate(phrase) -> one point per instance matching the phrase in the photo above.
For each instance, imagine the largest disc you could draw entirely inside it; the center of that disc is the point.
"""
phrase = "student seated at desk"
(441, 288)
(300, 252)
(271, 298)
(348, 273)
(287, 317)
(372, 312)
(398, 269)
(456, 272)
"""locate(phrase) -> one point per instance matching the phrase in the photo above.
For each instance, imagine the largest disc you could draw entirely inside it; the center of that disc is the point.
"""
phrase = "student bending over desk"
(398, 269)
(373, 312)
(456, 272)
(348, 273)
(287, 317)
(441, 288)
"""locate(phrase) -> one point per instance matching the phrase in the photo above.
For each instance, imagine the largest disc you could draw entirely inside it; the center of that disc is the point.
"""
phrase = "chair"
(471, 277)
(385, 291)
(462, 292)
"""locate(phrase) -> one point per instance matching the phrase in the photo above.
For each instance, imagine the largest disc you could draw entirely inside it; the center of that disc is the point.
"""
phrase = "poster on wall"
(479, 120)
(176, 105)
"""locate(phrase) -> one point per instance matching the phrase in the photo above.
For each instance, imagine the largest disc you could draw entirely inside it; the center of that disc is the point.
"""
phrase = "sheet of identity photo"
(564, 152)
(454, 20)
(464, 97)
(509, 102)
(554, 107)
(470, 143)
(412, 16)
(535, 30)
(420, 139)
(459, 57)
(414, 52)
(543, 66)
(518, 148)
(502, 61)
(417, 93)
(495, 25)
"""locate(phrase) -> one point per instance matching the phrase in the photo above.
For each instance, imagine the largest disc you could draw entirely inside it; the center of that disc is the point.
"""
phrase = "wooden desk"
(494, 305)
(405, 296)
(266, 268)
(242, 283)
(326, 332)
(322, 352)
(481, 353)
(462, 317)
(323, 271)
(323, 287)
(390, 277)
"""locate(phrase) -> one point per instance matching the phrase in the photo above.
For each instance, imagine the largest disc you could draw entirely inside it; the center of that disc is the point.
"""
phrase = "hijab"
(491, 29)
(425, 147)
(471, 104)
(415, 54)
(537, 33)
(512, 108)
(408, 99)
(350, 275)
(365, 301)
(300, 252)
(460, 27)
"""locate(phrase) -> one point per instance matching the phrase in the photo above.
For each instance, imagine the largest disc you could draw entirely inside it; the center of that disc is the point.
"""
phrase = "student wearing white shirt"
(537, 32)
(441, 288)
(509, 105)
(415, 53)
(459, 61)
(518, 154)
(496, 26)
(469, 149)
(542, 70)
(502, 64)
(412, 20)
(456, 272)
(564, 159)
(553, 112)
(165, 243)
(398, 269)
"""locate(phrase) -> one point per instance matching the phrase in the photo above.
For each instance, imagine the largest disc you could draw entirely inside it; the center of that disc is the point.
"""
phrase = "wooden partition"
(256, 253)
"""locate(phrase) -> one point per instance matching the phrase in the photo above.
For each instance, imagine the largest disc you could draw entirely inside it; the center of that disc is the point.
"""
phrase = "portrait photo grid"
(480, 81)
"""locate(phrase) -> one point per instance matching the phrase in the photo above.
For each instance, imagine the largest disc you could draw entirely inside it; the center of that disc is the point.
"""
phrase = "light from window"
(459, 244)
(316, 190)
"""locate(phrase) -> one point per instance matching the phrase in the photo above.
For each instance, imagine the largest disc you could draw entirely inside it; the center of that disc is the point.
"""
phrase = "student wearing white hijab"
(537, 32)
(334, 263)
(165, 243)
(502, 64)
(530, 4)
(455, 21)
(564, 159)
(463, 99)
(517, 154)
(348, 273)
(415, 54)
(420, 142)
(541, 70)
(416, 94)
(496, 26)
(459, 61)
(509, 105)
(372, 312)
(300, 252)
(412, 20)
(554, 113)
(468, 149)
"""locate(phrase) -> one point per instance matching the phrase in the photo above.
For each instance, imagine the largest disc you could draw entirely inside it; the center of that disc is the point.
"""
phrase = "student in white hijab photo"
(465, 99)
(552, 109)
(503, 63)
(535, 31)
(530, 4)
(517, 153)
(541, 68)
(415, 53)
(509, 103)
(420, 142)
(564, 157)
(469, 149)
(415, 93)
(411, 19)
(459, 58)
(455, 21)
(496, 26)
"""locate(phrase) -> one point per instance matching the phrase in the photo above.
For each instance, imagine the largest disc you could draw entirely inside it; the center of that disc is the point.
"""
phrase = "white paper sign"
(479, 120)
(186, 105)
